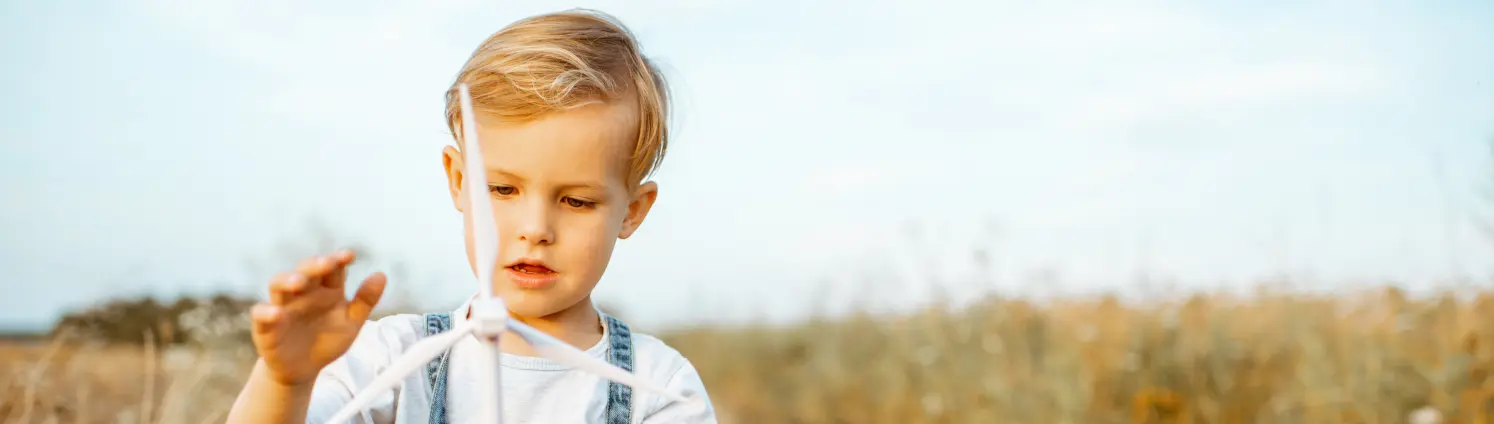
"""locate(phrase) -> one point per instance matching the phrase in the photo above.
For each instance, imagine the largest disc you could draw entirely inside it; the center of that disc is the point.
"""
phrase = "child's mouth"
(532, 276)
(531, 269)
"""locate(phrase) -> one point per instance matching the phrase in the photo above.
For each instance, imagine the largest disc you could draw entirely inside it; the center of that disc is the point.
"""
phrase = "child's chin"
(534, 308)
(528, 304)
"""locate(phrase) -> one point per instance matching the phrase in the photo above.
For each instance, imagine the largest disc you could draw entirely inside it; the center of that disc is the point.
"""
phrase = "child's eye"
(501, 189)
(578, 203)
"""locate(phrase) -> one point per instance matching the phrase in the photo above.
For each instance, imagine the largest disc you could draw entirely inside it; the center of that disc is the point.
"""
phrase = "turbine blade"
(566, 354)
(414, 358)
(484, 229)
(490, 410)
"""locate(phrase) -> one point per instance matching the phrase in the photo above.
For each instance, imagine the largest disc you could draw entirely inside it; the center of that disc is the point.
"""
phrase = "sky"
(827, 154)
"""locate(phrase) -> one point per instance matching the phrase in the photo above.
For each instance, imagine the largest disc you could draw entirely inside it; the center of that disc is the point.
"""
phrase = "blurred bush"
(216, 321)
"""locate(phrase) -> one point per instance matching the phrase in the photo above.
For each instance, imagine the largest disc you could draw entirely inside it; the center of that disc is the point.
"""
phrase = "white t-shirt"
(535, 390)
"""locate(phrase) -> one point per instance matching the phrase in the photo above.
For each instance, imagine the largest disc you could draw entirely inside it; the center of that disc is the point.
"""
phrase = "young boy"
(572, 121)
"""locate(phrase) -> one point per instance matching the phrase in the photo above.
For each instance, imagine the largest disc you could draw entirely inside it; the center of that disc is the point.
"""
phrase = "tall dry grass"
(1282, 358)
(79, 382)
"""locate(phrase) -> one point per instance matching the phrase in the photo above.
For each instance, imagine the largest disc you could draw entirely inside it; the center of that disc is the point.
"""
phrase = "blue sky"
(825, 155)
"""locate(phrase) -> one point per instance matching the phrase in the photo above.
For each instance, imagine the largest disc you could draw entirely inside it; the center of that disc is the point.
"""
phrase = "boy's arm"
(686, 380)
(265, 400)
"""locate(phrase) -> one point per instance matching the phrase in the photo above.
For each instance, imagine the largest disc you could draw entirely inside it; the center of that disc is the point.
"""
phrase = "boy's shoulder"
(657, 361)
(653, 355)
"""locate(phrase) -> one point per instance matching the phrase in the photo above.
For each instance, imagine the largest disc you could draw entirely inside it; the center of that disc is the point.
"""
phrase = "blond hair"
(565, 60)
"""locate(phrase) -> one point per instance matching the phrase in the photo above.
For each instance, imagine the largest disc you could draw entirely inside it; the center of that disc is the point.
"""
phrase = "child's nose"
(535, 235)
(534, 227)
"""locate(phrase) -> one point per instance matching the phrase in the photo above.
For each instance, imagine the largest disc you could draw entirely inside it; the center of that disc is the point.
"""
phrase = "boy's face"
(561, 200)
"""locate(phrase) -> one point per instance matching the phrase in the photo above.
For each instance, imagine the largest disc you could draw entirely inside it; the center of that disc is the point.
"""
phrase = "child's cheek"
(581, 236)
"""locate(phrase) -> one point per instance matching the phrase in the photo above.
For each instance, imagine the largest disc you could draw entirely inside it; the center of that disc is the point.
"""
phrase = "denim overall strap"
(619, 354)
(435, 371)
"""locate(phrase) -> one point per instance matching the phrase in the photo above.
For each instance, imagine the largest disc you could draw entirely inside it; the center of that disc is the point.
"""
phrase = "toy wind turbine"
(489, 314)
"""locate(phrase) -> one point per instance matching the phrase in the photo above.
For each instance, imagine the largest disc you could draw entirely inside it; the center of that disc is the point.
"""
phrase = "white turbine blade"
(484, 230)
(490, 410)
(417, 356)
(563, 353)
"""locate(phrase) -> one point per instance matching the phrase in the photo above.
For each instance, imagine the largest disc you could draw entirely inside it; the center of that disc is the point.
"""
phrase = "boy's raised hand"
(309, 322)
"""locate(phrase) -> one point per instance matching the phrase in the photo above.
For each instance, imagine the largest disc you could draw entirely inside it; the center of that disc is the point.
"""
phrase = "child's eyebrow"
(580, 184)
(505, 175)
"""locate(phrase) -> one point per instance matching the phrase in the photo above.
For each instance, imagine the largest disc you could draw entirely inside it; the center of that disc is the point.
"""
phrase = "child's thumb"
(367, 297)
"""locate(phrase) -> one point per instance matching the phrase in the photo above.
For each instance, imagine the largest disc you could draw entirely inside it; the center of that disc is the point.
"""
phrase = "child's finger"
(264, 317)
(286, 286)
(344, 256)
(277, 294)
(314, 268)
(338, 272)
(367, 297)
(313, 303)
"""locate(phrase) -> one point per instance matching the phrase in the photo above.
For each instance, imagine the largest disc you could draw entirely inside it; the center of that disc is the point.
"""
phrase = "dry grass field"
(69, 383)
(1376, 358)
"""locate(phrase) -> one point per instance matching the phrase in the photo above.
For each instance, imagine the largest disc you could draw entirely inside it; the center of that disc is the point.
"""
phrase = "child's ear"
(451, 160)
(643, 200)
